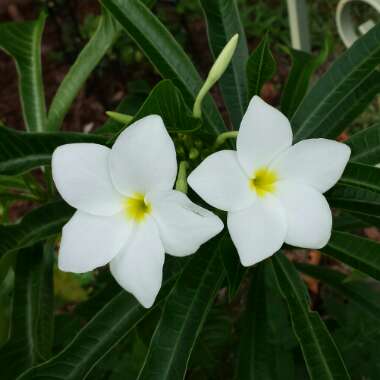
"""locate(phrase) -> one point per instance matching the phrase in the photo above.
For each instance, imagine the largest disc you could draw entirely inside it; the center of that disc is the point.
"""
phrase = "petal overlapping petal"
(90, 241)
(316, 162)
(264, 133)
(308, 215)
(258, 231)
(138, 266)
(221, 182)
(143, 158)
(183, 225)
(80, 173)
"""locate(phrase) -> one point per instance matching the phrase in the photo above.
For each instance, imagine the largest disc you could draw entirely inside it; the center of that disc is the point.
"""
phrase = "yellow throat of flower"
(136, 208)
(263, 182)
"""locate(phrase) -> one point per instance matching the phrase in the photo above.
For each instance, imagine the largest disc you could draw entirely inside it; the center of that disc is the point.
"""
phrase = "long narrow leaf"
(265, 316)
(40, 224)
(352, 291)
(361, 175)
(365, 146)
(323, 360)
(183, 316)
(358, 252)
(21, 151)
(223, 21)
(32, 294)
(103, 332)
(341, 91)
(352, 198)
(261, 67)
(23, 42)
(105, 34)
(164, 52)
(304, 65)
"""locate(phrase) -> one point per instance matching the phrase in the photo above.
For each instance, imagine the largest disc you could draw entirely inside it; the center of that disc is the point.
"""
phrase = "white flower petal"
(80, 173)
(143, 158)
(221, 182)
(316, 162)
(264, 133)
(183, 225)
(138, 267)
(308, 215)
(258, 231)
(90, 241)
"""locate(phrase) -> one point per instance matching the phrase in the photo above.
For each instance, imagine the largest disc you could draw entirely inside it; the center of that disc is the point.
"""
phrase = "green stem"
(181, 183)
(221, 139)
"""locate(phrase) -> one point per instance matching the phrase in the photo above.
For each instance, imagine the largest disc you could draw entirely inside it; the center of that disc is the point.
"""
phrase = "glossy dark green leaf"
(345, 221)
(223, 21)
(360, 253)
(104, 331)
(338, 281)
(304, 66)
(40, 224)
(21, 151)
(361, 175)
(165, 53)
(266, 332)
(183, 316)
(30, 338)
(231, 263)
(167, 101)
(322, 358)
(129, 105)
(213, 342)
(365, 146)
(105, 34)
(343, 92)
(261, 67)
(352, 198)
(22, 40)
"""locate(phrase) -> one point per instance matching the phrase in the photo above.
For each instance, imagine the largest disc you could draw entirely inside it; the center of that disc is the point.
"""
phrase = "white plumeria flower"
(127, 213)
(271, 189)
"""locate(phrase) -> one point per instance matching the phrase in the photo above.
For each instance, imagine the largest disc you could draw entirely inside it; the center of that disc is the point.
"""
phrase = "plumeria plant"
(190, 227)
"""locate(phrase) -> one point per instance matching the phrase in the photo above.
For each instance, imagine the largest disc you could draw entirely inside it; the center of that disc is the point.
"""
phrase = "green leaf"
(304, 66)
(6, 263)
(265, 332)
(261, 67)
(107, 328)
(167, 101)
(183, 316)
(103, 38)
(322, 358)
(361, 175)
(30, 338)
(345, 221)
(358, 252)
(130, 105)
(223, 22)
(21, 151)
(40, 224)
(214, 340)
(365, 146)
(232, 267)
(351, 198)
(22, 40)
(342, 93)
(164, 52)
(357, 293)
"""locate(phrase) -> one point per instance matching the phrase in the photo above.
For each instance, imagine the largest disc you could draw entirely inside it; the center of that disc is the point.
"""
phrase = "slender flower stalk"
(181, 183)
(217, 70)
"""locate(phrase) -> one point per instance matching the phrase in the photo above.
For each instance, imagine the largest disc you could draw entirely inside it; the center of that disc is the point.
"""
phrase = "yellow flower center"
(136, 207)
(263, 181)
